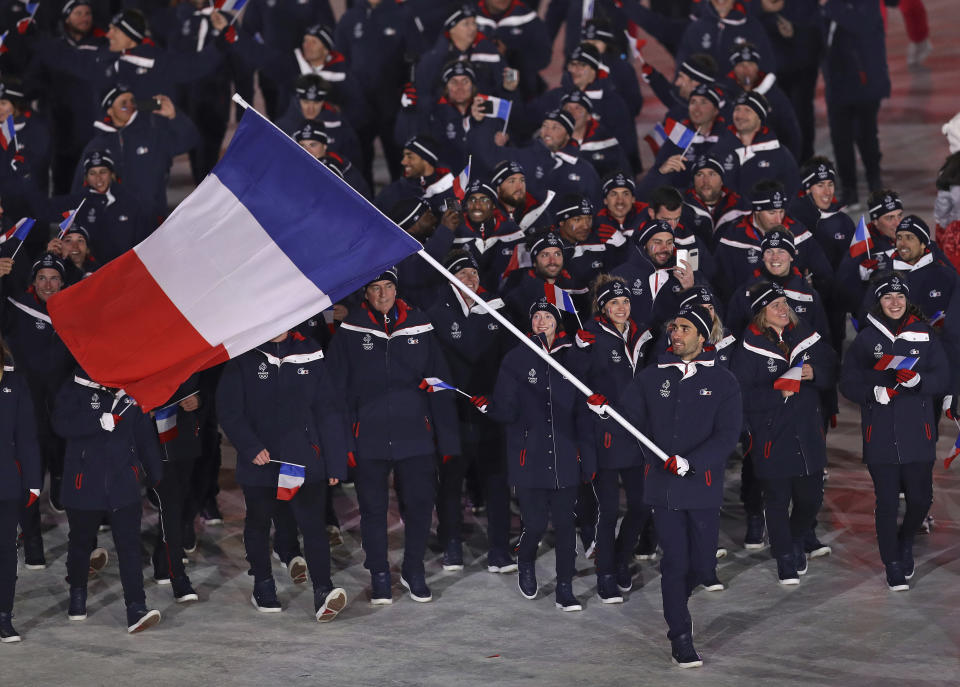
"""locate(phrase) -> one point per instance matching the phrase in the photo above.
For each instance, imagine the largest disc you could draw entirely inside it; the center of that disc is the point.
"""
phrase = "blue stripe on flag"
(337, 239)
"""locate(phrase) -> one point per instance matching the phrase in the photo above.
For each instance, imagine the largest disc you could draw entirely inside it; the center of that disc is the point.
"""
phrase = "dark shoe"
(33, 558)
(713, 583)
(453, 556)
(799, 558)
(787, 570)
(754, 537)
(416, 585)
(624, 578)
(54, 494)
(814, 547)
(297, 567)
(566, 601)
(139, 618)
(381, 593)
(98, 561)
(527, 580)
(500, 562)
(647, 547)
(7, 633)
(183, 592)
(607, 589)
(896, 581)
(684, 655)
(328, 603)
(906, 559)
(189, 537)
(78, 603)
(211, 513)
(264, 597)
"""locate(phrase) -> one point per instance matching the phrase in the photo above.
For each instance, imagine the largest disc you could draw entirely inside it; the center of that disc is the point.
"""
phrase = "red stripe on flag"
(125, 333)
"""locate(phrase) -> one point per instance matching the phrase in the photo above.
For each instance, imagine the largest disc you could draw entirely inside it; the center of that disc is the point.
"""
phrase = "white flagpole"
(583, 388)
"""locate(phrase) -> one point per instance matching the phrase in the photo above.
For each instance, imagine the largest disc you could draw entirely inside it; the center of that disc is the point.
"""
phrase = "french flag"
(270, 238)
(229, 5)
(501, 107)
(462, 181)
(68, 222)
(3, 41)
(520, 259)
(676, 132)
(9, 133)
(790, 380)
(31, 9)
(19, 231)
(290, 480)
(861, 242)
(895, 362)
(433, 384)
(656, 138)
(953, 454)
(166, 419)
(936, 320)
(559, 298)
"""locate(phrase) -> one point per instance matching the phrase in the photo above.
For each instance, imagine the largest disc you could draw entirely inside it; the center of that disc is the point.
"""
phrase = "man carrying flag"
(278, 406)
(21, 478)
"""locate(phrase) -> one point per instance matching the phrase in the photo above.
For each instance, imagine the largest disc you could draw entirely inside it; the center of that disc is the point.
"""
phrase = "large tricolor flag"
(790, 380)
(270, 238)
(166, 419)
(462, 180)
(8, 133)
(895, 362)
(559, 297)
(290, 480)
(861, 242)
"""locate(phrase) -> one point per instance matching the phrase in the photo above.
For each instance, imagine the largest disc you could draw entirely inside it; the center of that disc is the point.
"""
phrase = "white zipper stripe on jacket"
(297, 358)
(762, 351)
(407, 331)
(30, 311)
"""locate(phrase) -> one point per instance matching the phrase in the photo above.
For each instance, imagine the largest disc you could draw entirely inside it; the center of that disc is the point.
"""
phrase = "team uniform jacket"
(720, 37)
(852, 277)
(525, 35)
(904, 430)
(549, 431)
(187, 443)
(433, 189)
(103, 470)
(280, 397)
(492, 243)
(339, 129)
(613, 360)
(765, 158)
(528, 287)
(483, 56)
(688, 409)
(802, 297)
(378, 363)
(41, 355)
(932, 284)
(832, 228)
(606, 227)
(20, 466)
(704, 220)
(787, 434)
(782, 119)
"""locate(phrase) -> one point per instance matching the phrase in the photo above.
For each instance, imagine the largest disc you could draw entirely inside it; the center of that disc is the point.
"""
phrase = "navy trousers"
(916, 482)
(9, 511)
(614, 549)
(125, 528)
(537, 508)
(785, 525)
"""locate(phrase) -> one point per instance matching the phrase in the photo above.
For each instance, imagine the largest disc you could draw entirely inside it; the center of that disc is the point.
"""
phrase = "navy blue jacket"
(482, 56)
(787, 434)
(855, 63)
(492, 243)
(41, 355)
(378, 364)
(832, 228)
(802, 297)
(526, 39)
(474, 345)
(102, 470)
(338, 127)
(20, 466)
(142, 152)
(433, 189)
(765, 158)
(280, 397)
(696, 416)
(904, 430)
(719, 37)
(549, 429)
(613, 360)
(932, 283)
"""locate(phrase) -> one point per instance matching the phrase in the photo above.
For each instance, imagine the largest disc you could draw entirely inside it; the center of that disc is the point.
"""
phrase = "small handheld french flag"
(229, 5)
(9, 132)
(501, 107)
(953, 454)
(31, 9)
(559, 298)
(462, 181)
(3, 40)
(861, 242)
(433, 384)
(676, 132)
(895, 362)
(166, 419)
(936, 320)
(790, 380)
(20, 230)
(68, 222)
(290, 480)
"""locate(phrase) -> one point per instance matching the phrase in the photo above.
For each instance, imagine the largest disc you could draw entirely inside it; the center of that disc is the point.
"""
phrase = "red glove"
(870, 264)
(585, 338)
(446, 459)
(480, 402)
(908, 378)
(596, 402)
(409, 97)
(230, 35)
(351, 460)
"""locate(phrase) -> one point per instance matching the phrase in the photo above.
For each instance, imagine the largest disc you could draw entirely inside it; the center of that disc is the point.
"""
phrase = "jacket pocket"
(866, 436)
(926, 429)
(523, 456)
(766, 449)
(607, 438)
(356, 429)
(708, 478)
(78, 481)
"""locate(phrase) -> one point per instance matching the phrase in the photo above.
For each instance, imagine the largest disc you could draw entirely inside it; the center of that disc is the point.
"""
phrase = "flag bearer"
(382, 352)
(690, 407)
(111, 448)
(278, 407)
(783, 365)
(21, 478)
(895, 369)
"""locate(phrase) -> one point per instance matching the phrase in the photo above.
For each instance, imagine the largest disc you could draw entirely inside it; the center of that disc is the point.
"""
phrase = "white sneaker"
(297, 567)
